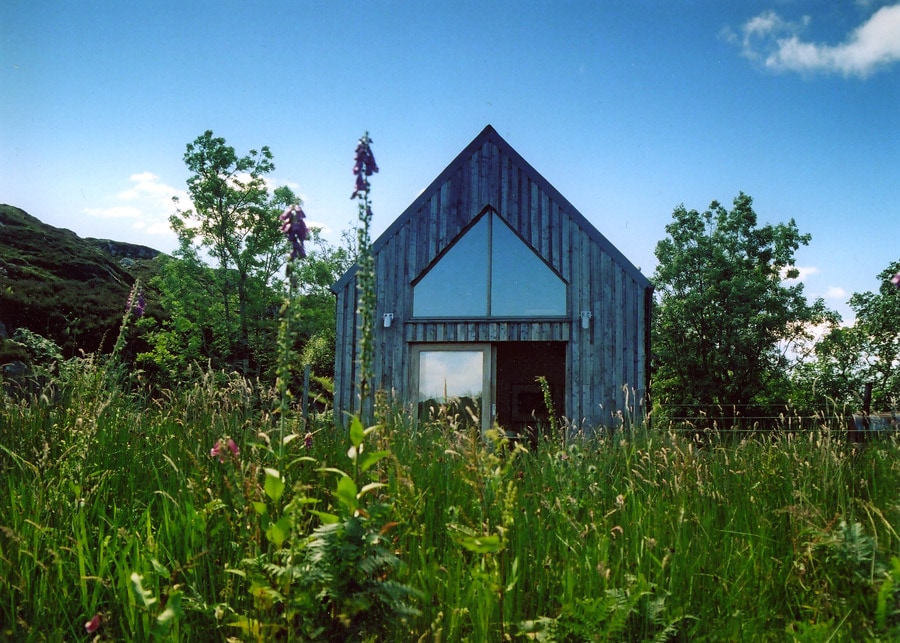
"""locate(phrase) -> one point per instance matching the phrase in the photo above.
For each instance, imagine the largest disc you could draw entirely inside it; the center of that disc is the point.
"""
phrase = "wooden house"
(488, 280)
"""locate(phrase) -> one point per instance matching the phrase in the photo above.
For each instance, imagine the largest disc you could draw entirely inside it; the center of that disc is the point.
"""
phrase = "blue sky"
(628, 108)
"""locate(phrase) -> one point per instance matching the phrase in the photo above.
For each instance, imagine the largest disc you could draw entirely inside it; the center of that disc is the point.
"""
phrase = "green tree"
(323, 266)
(878, 322)
(192, 331)
(234, 223)
(848, 358)
(725, 319)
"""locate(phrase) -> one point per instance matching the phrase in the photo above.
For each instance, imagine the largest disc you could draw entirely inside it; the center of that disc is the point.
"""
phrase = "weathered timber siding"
(606, 364)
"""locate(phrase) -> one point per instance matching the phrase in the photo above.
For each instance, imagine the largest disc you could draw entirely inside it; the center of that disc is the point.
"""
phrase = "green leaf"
(325, 517)
(274, 485)
(159, 568)
(168, 616)
(304, 458)
(331, 470)
(143, 596)
(259, 507)
(346, 493)
(278, 531)
(369, 459)
(513, 575)
(357, 433)
(474, 542)
(370, 487)
(489, 544)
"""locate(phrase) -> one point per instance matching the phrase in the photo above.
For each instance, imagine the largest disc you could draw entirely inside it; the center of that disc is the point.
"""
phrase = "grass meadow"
(187, 516)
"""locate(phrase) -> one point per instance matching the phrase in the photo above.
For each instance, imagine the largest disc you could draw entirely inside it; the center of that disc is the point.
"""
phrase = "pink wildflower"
(307, 440)
(94, 624)
(219, 450)
(896, 280)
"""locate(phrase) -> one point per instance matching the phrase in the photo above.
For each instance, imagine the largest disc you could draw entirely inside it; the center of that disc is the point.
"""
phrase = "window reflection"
(451, 384)
(490, 271)
(521, 283)
(457, 286)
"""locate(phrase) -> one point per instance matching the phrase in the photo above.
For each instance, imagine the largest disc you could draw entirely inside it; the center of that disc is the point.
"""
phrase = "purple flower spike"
(140, 305)
(896, 280)
(364, 166)
(136, 302)
(293, 225)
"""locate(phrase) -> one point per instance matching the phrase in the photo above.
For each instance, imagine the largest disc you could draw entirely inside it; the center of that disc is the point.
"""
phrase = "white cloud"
(836, 292)
(144, 206)
(146, 184)
(777, 43)
(147, 203)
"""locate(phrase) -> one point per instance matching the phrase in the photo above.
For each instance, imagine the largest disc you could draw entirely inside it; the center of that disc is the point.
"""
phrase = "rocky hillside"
(62, 287)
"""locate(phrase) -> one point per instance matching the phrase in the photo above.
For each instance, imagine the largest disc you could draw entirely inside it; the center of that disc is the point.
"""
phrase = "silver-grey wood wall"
(607, 364)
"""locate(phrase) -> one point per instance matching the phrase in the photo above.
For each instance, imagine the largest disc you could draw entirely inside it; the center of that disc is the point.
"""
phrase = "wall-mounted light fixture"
(388, 318)
(586, 319)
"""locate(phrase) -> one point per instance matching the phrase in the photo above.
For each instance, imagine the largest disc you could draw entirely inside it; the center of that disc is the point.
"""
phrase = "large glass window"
(522, 285)
(456, 285)
(453, 380)
(490, 272)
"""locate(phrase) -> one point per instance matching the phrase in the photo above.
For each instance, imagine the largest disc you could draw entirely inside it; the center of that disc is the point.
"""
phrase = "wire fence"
(739, 421)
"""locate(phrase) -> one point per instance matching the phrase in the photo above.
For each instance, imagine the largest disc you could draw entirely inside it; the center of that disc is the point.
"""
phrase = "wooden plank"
(495, 196)
(610, 319)
(504, 204)
(339, 349)
(514, 212)
(544, 228)
(620, 338)
(534, 206)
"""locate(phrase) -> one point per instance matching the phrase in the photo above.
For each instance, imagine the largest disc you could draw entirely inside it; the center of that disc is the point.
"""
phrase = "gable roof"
(490, 135)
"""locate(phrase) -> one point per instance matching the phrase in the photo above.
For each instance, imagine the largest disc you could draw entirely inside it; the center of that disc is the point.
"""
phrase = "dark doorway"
(521, 408)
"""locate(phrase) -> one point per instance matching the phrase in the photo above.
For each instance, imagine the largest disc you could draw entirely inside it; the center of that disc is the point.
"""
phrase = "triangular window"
(489, 272)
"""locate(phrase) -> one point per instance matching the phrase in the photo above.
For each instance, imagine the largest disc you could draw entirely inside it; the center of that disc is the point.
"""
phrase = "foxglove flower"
(140, 305)
(93, 625)
(221, 447)
(308, 441)
(896, 280)
(364, 166)
(136, 302)
(293, 225)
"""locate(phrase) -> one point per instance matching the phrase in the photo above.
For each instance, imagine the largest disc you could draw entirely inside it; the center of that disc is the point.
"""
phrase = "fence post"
(856, 434)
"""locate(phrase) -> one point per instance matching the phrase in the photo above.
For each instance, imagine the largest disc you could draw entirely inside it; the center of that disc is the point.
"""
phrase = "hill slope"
(63, 287)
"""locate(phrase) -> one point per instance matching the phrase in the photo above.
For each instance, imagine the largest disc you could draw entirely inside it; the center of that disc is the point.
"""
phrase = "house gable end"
(489, 172)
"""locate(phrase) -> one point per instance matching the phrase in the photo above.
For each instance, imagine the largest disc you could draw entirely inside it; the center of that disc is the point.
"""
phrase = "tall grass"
(111, 504)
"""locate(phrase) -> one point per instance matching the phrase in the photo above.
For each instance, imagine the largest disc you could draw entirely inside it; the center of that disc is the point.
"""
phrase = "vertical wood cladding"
(606, 363)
